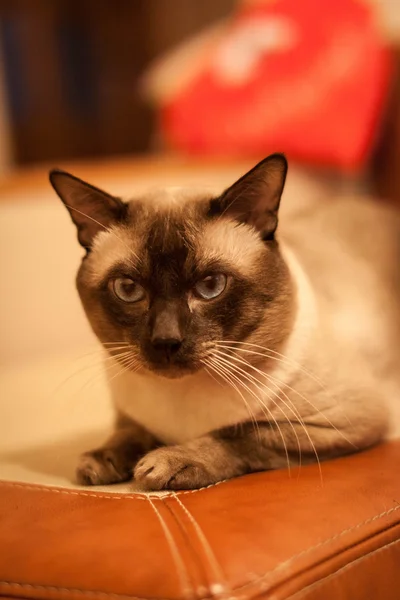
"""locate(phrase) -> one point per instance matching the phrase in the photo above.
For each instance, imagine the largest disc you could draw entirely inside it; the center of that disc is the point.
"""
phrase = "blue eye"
(211, 286)
(128, 290)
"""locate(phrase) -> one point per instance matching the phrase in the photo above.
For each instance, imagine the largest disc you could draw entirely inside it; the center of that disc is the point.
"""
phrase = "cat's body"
(318, 372)
(346, 336)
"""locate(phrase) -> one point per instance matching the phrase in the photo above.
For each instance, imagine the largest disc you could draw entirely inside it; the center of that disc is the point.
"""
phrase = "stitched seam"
(99, 495)
(278, 567)
(255, 581)
(217, 585)
(180, 566)
(53, 588)
(124, 496)
(193, 553)
(300, 593)
(335, 537)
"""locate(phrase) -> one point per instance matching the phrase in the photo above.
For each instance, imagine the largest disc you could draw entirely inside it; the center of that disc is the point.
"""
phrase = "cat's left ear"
(254, 199)
(91, 209)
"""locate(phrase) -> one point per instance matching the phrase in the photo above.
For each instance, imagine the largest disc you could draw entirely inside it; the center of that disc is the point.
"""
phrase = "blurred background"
(71, 69)
(98, 78)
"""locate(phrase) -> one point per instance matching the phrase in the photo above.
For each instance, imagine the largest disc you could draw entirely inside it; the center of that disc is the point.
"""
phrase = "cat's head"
(185, 279)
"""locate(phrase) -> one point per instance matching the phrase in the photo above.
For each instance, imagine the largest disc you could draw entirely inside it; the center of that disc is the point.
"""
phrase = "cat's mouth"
(170, 360)
(172, 372)
(162, 362)
(173, 369)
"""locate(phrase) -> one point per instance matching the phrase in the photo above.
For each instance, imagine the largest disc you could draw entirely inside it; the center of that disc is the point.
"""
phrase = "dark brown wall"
(72, 68)
(386, 161)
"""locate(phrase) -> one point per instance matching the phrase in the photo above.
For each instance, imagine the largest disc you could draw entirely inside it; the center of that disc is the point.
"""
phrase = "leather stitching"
(256, 580)
(180, 566)
(195, 585)
(99, 495)
(124, 496)
(218, 585)
(301, 593)
(288, 561)
(53, 588)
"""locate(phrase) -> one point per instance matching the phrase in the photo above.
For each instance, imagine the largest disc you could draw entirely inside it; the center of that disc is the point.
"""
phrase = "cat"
(235, 347)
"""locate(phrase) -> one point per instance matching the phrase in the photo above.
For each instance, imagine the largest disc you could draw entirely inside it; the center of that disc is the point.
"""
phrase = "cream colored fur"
(341, 371)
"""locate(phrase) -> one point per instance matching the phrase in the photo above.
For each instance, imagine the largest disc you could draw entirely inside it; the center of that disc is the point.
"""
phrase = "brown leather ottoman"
(261, 536)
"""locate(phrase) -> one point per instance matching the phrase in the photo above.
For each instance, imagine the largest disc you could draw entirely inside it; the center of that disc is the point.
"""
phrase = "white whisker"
(261, 403)
(290, 407)
(225, 377)
(293, 389)
(207, 370)
(125, 362)
(272, 377)
(101, 360)
(128, 365)
(305, 371)
(273, 355)
(256, 381)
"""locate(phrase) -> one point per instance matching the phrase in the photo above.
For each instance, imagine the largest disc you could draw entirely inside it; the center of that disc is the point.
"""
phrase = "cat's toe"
(153, 471)
(101, 467)
(171, 468)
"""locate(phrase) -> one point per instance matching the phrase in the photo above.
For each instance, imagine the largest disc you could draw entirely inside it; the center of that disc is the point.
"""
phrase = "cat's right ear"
(254, 199)
(91, 209)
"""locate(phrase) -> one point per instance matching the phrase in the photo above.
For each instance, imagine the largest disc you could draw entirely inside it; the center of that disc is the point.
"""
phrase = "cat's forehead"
(172, 196)
(170, 229)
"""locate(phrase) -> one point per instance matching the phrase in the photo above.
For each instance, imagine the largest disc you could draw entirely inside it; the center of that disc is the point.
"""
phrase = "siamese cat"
(237, 347)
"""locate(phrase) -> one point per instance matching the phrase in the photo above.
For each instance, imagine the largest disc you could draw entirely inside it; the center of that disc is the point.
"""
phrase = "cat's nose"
(166, 334)
(168, 346)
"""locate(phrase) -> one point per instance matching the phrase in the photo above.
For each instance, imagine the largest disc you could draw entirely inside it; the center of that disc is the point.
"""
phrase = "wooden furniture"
(385, 167)
(72, 71)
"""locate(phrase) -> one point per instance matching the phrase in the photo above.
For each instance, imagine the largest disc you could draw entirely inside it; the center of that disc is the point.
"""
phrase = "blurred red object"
(307, 78)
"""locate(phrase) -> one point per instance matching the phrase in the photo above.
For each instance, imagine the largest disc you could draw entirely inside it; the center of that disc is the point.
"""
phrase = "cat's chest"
(178, 410)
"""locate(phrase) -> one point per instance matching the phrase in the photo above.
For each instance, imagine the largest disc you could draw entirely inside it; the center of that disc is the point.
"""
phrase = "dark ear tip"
(279, 162)
(279, 157)
(53, 173)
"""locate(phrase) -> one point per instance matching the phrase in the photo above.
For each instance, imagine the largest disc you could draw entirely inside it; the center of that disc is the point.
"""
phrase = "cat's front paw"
(173, 468)
(102, 467)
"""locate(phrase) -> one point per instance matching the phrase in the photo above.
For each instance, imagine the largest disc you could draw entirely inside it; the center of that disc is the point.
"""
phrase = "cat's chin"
(172, 372)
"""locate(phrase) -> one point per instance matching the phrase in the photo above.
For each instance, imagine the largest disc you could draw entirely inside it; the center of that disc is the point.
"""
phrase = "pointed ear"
(91, 209)
(254, 199)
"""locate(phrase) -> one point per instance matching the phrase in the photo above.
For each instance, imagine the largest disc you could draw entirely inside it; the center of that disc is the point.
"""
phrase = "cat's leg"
(238, 450)
(114, 461)
(219, 455)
